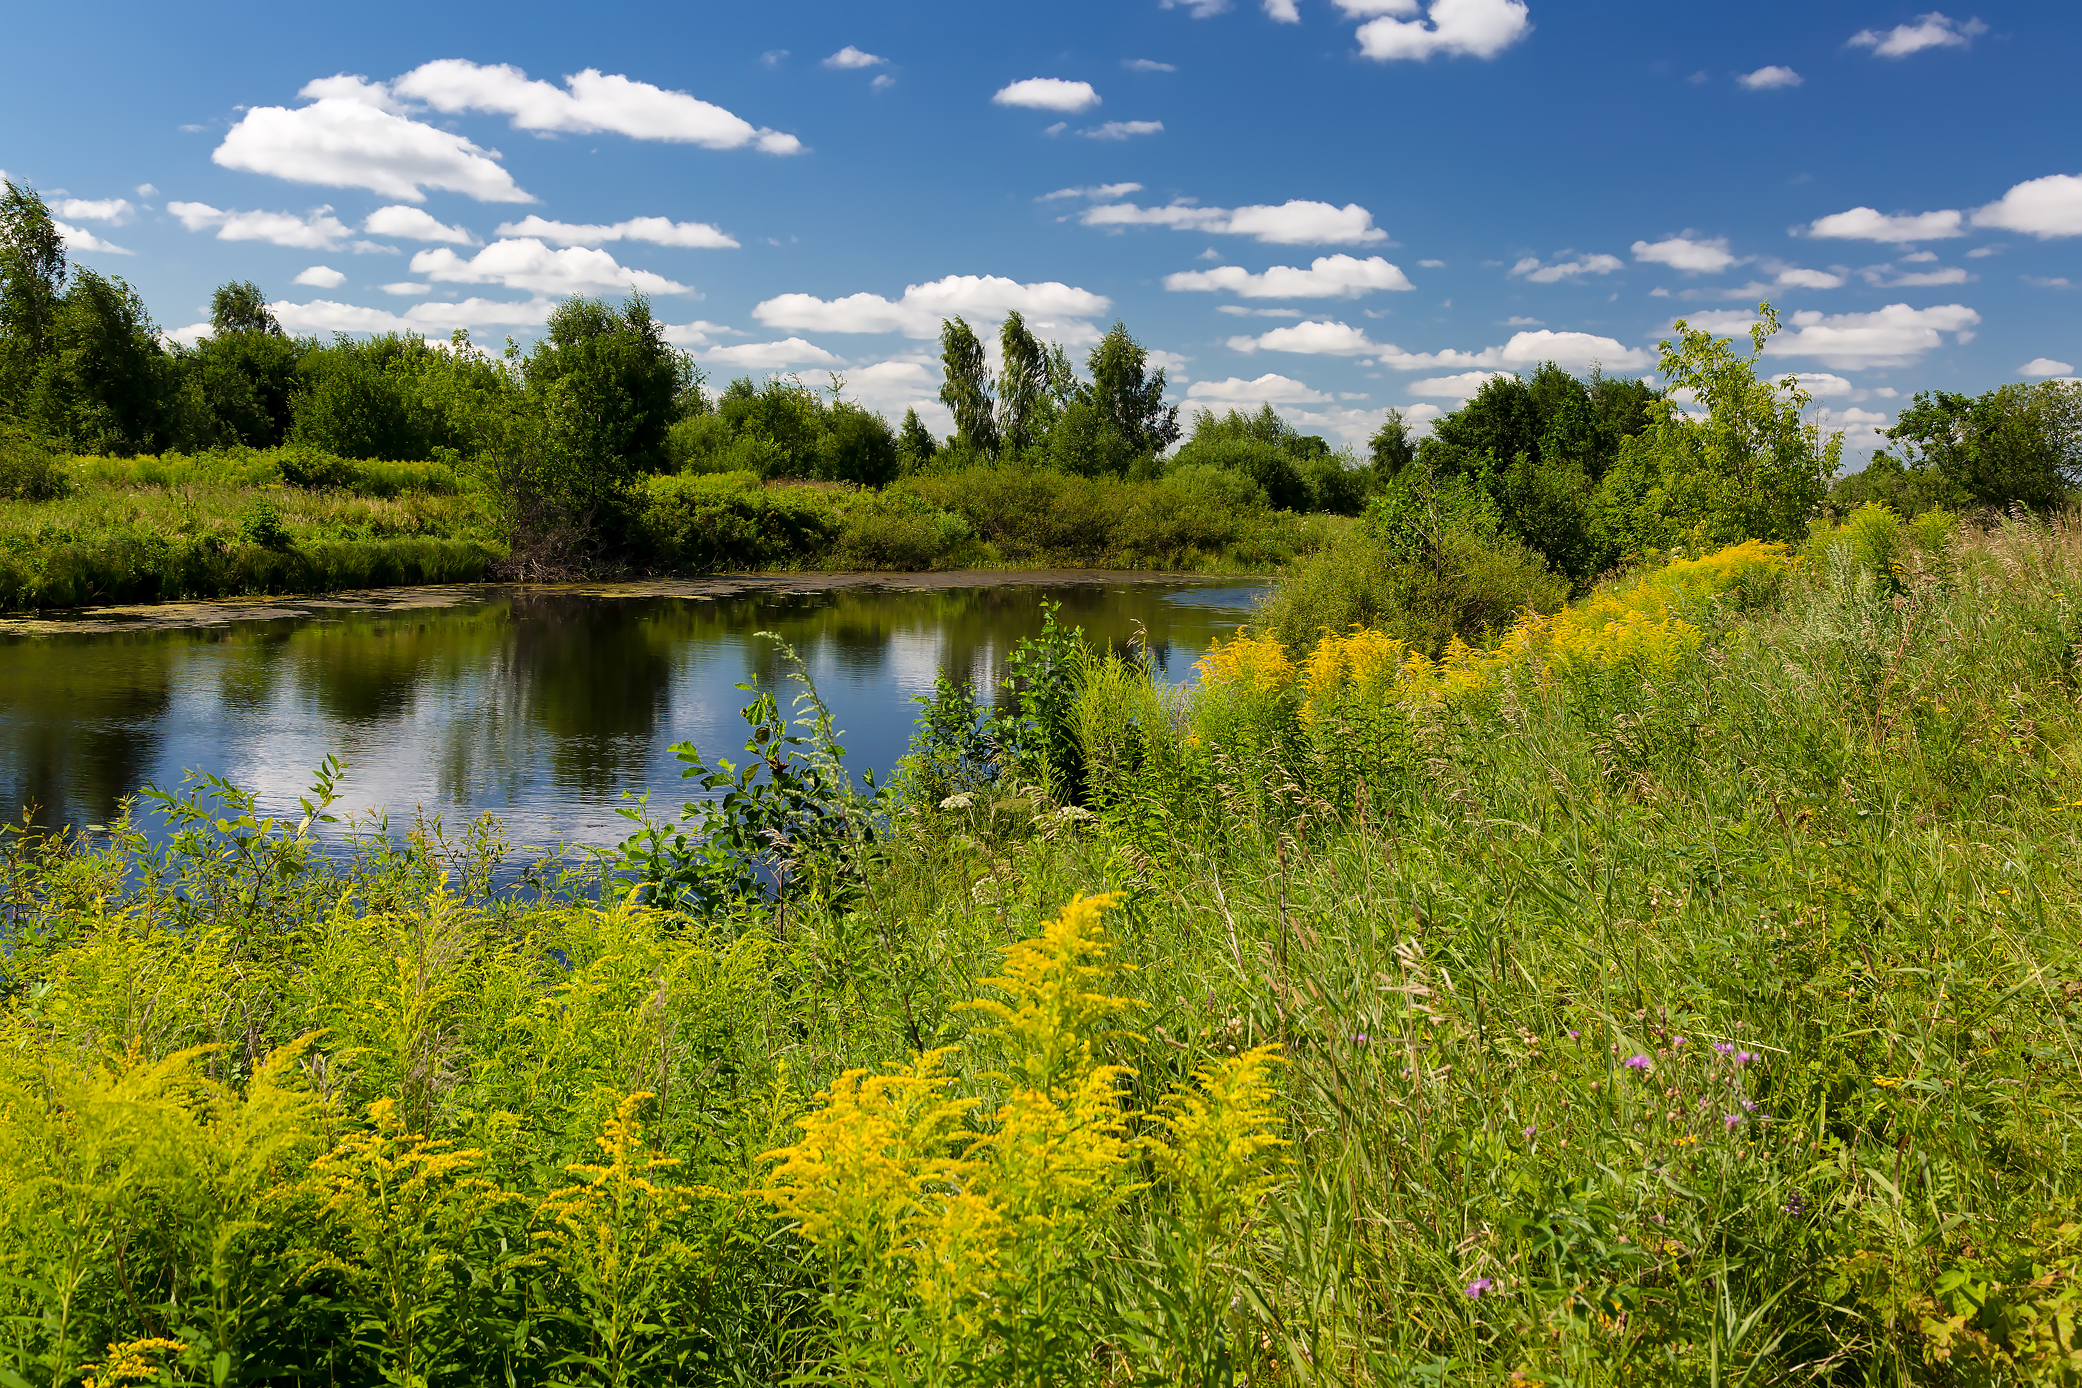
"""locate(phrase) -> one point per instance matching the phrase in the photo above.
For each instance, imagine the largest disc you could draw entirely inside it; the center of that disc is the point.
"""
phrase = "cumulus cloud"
(1051, 308)
(321, 231)
(1869, 224)
(1886, 277)
(1860, 428)
(1292, 223)
(1687, 253)
(408, 289)
(1796, 277)
(1100, 190)
(1271, 388)
(771, 356)
(1239, 311)
(1327, 277)
(1147, 65)
(1770, 78)
(526, 263)
(1316, 338)
(1933, 30)
(439, 319)
(1458, 387)
(1198, 9)
(1575, 351)
(1048, 94)
(589, 102)
(1474, 28)
(1536, 273)
(321, 277)
(2045, 366)
(414, 224)
(80, 241)
(1896, 335)
(2043, 207)
(850, 57)
(1123, 129)
(114, 211)
(899, 384)
(1282, 11)
(660, 231)
(345, 142)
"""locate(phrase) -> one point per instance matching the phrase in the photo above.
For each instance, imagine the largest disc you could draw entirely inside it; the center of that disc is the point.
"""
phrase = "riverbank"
(286, 521)
(1678, 990)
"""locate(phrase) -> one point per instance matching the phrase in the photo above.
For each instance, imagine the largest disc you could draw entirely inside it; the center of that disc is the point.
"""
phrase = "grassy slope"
(1837, 836)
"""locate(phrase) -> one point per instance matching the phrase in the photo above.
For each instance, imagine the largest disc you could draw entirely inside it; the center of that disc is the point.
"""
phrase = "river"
(542, 705)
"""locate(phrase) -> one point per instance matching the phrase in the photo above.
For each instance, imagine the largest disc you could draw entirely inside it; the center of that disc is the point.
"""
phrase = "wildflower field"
(1680, 988)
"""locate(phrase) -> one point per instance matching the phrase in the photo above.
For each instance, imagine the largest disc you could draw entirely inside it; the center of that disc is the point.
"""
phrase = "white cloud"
(1101, 190)
(1239, 311)
(1282, 12)
(1868, 224)
(1459, 387)
(1933, 30)
(321, 277)
(1123, 129)
(80, 241)
(882, 83)
(1198, 9)
(1896, 335)
(589, 102)
(1919, 257)
(349, 143)
(190, 335)
(1050, 307)
(439, 319)
(1433, 264)
(1860, 428)
(414, 224)
(1879, 275)
(2045, 366)
(851, 57)
(146, 190)
(1147, 65)
(1328, 277)
(1318, 337)
(1794, 277)
(1355, 426)
(1048, 94)
(114, 211)
(408, 289)
(1979, 251)
(1477, 28)
(321, 231)
(2043, 207)
(1822, 385)
(695, 334)
(1531, 268)
(901, 384)
(659, 231)
(1687, 253)
(1770, 78)
(525, 263)
(1293, 223)
(771, 356)
(1269, 388)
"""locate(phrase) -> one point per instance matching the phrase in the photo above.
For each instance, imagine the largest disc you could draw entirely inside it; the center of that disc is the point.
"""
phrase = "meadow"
(1680, 987)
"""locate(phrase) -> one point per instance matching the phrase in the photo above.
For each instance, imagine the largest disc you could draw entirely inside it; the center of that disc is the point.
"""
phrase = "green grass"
(1838, 837)
(291, 520)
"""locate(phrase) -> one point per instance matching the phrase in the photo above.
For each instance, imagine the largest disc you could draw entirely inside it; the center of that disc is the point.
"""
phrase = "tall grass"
(1681, 989)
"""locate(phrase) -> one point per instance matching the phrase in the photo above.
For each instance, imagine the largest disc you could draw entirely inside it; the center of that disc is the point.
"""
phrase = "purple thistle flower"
(1731, 1119)
(1677, 1040)
(1360, 1037)
(1725, 1048)
(1530, 1131)
(1744, 1057)
(1636, 1062)
(1574, 1034)
(1473, 1291)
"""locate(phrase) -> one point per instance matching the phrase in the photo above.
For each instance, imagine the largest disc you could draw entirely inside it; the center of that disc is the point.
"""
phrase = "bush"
(903, 532)
(709, 521)
(28, 470)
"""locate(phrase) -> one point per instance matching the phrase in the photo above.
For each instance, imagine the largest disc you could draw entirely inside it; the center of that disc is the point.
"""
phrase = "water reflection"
(541, 706)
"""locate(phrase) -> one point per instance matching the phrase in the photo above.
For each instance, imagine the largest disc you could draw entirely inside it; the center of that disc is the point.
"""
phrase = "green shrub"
(902, 531)
(708, 521)
(29, 471)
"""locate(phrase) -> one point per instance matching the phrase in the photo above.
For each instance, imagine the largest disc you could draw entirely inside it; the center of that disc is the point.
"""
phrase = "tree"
(1128, 396)
(1025, 409)
(32, 277)
(608, 388)
(106, 382)
(965, 386)
(857, 446)
(915, 444)
(2014, 445)
(1752, 468)
(1390, 448)
(240, 307)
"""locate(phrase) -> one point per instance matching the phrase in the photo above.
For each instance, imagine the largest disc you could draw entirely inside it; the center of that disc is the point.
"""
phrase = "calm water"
(540, 705)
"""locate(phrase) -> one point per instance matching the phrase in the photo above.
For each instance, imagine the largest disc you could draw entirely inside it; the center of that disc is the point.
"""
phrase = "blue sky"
(1344, 206)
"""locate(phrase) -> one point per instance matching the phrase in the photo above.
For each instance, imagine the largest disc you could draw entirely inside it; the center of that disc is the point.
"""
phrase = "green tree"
(608, 388)
(2015, 445)
(1752, 468)
(106, 382)
(1025, 408)
(32, 279)
(916, 446)
(1129, 396)
(240, 307)
(857, 446)
(965, 386)
(1391, 449)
